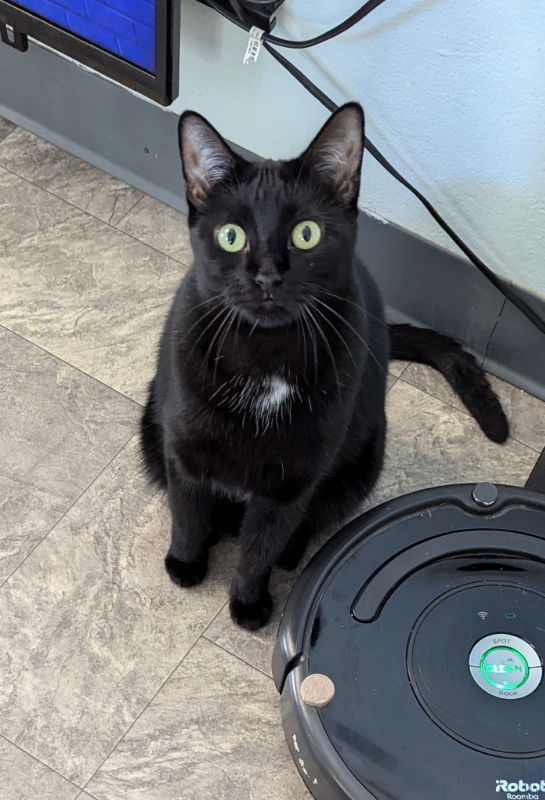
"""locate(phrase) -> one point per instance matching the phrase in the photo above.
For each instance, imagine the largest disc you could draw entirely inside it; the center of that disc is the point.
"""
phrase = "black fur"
(266, 414)
(459, 368)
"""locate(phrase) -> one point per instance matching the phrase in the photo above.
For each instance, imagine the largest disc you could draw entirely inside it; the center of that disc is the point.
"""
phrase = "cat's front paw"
(251, 615)
(185, 573)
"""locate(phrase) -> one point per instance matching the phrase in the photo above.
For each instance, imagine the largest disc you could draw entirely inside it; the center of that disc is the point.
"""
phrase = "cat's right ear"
(206, 157)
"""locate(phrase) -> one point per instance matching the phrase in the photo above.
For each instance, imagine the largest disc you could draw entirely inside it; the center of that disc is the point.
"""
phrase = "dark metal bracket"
(536, 481)
(13, 38)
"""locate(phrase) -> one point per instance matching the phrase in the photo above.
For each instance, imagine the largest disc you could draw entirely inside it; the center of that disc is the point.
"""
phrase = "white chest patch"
(273, 394)
(268, 399)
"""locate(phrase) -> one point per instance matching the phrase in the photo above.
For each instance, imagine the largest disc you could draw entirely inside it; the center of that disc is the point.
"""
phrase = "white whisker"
(336, 330)
(354, 331)
(327, 345)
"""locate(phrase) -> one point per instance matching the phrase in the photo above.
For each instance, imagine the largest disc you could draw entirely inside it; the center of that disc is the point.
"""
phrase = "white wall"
(454, 93)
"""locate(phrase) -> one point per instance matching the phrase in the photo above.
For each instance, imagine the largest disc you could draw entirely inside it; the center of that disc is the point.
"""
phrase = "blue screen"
(125, 28)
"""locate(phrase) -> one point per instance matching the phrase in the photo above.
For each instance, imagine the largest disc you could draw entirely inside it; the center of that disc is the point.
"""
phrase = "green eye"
(306, 235)
(231, 238)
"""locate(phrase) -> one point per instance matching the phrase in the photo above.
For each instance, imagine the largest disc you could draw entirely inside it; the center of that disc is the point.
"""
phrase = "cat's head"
(268, 236)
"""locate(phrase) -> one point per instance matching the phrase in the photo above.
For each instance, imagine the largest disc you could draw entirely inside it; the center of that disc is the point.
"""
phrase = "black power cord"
(239, 20)
(506, 288)
(358, 15)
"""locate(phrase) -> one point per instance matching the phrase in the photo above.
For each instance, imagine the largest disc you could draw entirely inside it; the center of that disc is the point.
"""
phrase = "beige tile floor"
(114, 684)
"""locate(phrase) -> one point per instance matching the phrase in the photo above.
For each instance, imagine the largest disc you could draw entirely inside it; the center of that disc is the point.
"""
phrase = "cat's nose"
(267, 282)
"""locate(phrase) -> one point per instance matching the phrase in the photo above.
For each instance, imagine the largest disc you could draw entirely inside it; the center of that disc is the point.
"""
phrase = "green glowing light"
(518, 671)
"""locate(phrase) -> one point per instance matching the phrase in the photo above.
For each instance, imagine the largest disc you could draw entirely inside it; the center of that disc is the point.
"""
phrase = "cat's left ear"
(336, 152)
(206, 157)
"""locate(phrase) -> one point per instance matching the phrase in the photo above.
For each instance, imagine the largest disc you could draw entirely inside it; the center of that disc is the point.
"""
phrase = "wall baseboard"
(426, 285)
(135, 140)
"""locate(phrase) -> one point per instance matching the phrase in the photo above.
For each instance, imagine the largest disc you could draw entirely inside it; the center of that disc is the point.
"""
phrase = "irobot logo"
(521, 790)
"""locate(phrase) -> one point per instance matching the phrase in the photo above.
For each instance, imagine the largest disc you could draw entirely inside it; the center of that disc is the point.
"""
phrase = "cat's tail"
(460, 369)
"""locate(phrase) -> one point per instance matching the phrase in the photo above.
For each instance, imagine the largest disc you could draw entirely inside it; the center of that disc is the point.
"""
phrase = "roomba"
(410, 653)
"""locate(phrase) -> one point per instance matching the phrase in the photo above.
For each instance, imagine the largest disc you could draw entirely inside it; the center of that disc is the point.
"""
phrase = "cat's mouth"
(265, 314)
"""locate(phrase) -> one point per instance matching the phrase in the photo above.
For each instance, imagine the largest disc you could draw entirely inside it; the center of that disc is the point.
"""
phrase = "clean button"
(505, 668)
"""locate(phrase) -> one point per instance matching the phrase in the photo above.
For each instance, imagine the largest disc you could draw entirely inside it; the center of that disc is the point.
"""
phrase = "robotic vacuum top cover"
(410, 653)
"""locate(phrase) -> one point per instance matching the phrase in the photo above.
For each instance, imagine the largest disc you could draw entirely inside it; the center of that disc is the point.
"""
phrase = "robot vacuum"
(410, 653)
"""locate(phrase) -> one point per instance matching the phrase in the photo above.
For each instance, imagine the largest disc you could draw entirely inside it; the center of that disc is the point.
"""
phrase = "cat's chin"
(276, 318)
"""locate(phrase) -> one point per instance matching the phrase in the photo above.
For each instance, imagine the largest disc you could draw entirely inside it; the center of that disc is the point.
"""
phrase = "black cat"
(267, 410)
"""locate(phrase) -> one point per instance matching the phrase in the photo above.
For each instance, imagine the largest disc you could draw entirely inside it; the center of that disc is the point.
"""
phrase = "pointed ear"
(206, 157)
(337, 151)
